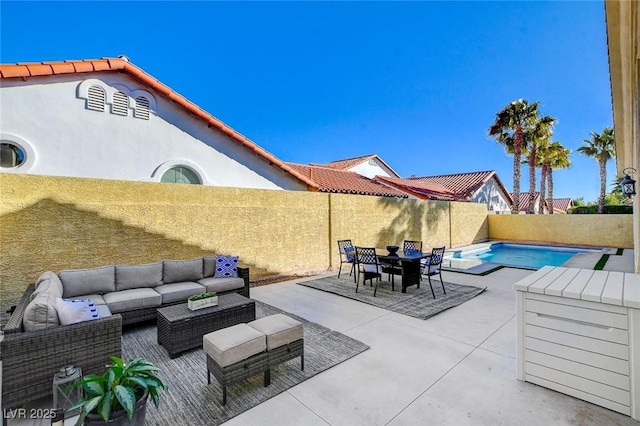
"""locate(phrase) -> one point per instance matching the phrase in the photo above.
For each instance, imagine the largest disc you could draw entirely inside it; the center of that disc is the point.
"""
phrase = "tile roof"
(524, 200)
(562, 204)
(343, 181)
(423, 190)
(464, 185)
(25, 70)
(352, 162)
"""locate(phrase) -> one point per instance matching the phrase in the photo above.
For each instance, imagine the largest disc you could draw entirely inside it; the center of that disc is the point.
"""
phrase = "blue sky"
(418, 83)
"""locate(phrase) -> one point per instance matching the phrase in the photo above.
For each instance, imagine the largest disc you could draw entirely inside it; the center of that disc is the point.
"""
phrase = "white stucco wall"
(62, 137)
(491, 195)
(371, 168)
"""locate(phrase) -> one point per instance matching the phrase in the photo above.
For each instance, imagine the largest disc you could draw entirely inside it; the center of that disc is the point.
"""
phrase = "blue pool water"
(523, 256)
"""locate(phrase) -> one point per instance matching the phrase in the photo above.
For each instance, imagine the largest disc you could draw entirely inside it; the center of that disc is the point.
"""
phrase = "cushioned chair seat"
(233, 344)
(219, 285)
(279, 329)
(126, 300)
(178, 291)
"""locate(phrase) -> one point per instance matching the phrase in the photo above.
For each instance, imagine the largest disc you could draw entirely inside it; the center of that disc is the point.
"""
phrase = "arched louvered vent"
(96, 98)
(120, 104)
(142, 108)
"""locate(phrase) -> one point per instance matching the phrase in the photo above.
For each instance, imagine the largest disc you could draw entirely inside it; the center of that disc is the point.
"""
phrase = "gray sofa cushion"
(103, 311)
(48, 282)
(77, 282)
(97, 299)
(219, 285)
(177, 271)
(179, 291)
(40, 313)
(209, 264)
(137, 298)
(138, 276)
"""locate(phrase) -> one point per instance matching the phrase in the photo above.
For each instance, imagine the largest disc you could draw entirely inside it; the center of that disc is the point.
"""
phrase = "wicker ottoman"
(285, 340)
(235, 353)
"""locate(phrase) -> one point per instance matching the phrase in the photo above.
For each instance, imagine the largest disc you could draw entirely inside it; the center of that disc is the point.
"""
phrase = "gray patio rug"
(190, 401)
(416, 302)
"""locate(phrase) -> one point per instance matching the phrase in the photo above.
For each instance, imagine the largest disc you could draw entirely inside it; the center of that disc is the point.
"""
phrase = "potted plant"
(119, 396)
(202, 300)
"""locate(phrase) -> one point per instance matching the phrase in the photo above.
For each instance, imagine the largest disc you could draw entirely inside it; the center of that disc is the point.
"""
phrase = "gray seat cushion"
(219, 285)
(178, 291)
(279, 329)
(76, 282)
(127, 300)
(138, 276)
(97, 299)
(233, 344)
(178, 271)
(103, 311)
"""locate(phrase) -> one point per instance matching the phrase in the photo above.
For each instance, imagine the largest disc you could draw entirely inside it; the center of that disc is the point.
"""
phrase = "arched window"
(96, 98)
(120, 104)
(11, 155)
(180, 174)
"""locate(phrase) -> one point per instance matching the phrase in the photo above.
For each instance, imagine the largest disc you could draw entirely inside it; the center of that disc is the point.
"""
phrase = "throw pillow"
(226, 266)
(73, 311)
(349, 253)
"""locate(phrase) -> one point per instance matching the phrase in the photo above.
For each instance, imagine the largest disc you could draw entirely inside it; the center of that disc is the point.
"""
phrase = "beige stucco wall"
(588, 230)
(54, 223)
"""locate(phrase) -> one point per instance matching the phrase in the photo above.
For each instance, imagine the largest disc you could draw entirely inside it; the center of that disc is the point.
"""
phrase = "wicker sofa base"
(256, 364)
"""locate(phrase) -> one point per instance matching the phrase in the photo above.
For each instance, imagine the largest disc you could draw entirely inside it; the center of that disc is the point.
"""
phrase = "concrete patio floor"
(456, 368)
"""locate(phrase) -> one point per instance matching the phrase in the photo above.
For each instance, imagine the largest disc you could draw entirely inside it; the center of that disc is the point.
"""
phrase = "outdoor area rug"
(416, 302)
(189, 400)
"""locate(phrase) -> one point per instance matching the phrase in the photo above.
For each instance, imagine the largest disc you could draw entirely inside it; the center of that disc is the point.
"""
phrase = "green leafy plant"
(201, 296)
(118, 388)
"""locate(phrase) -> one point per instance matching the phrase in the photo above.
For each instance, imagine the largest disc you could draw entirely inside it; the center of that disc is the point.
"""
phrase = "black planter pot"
(119, 418)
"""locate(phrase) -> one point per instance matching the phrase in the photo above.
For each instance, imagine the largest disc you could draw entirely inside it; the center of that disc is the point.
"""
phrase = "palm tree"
(509, 128)
(535, 140)
(553, 156)
(602, 147)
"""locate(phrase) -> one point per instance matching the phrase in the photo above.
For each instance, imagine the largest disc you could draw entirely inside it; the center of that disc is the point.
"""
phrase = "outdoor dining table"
(409, 262)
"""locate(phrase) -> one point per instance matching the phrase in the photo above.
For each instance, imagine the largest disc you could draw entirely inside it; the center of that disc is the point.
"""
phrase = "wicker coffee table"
(181, 329)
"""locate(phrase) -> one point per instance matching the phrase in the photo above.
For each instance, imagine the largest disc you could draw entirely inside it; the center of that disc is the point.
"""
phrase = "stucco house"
(366, 165)
(109, 119)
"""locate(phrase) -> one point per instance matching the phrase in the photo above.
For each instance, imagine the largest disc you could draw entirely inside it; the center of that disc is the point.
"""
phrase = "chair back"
(436, 256)
(412, 246)
(366, 256)
(347, 251)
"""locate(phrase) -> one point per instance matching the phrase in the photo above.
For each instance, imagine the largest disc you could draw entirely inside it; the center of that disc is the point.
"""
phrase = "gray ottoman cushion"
(219, 285)
(279, 329)
(233, 344)
(77, 282)
(178, 291)
(127, 300)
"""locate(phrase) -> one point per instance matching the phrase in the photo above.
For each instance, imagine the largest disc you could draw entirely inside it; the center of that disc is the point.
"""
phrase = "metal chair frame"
(367, 256)
(435, 260)
(343, 245)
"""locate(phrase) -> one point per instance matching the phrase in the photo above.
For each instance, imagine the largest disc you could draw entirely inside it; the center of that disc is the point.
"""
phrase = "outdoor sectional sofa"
(36, 345)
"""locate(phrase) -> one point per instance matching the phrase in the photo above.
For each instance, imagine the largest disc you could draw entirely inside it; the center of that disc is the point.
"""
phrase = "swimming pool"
(519, 255)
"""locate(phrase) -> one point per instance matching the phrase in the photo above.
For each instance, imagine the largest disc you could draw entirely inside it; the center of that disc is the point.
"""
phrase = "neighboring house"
(328, 179)
(418, 189)
(477, 187)
(524, 203)
(561, 205)
(367, 165)
(109, 119)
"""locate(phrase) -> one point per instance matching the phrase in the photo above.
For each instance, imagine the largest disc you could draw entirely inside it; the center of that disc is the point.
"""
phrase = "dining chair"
(368, 265)
(347, 255)
(410, 245)
(432, 266)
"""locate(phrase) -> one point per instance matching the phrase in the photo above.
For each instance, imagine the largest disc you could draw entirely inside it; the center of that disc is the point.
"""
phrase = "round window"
(11, 155)
(180, 175)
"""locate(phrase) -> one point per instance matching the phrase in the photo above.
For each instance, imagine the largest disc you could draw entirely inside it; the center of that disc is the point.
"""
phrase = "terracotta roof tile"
(562, 204)
(423, 190)
(464, 185)
(346, 182)
(119, 64)
(352, 162)
(524, 200)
